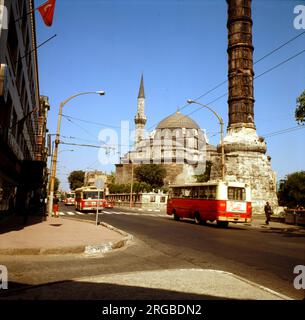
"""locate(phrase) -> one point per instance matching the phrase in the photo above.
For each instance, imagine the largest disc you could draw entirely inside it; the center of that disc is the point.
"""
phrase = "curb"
(127, 238)
(86, 249)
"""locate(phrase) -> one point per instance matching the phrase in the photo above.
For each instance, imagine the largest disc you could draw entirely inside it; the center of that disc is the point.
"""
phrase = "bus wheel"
(176, 217)
(223, 224)
(198, 218)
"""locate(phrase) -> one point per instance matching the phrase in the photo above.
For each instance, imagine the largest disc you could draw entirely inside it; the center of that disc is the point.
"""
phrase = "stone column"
(240, 61)
(245, 152)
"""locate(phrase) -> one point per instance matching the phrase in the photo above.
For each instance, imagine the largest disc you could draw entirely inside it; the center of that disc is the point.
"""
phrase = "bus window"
(186, 192)
(195, 192)
(235, 193)
(212, 192)
(203, 193)
(177, 192)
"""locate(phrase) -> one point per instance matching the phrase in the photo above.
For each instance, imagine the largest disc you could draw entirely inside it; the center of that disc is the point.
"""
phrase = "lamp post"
(54, 159)
(131, 185)
(221, 134)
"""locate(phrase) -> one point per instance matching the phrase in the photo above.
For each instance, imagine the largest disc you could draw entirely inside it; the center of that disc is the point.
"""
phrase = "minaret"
(245, 152)
(140, 118)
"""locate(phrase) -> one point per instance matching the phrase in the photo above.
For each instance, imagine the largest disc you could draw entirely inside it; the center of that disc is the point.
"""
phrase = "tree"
(204, 177)
(153, 174)
(141, 187)
(111, 177)
(300, 109)
(76, 179)
(119, 188)
(292, 190)
(56, 184)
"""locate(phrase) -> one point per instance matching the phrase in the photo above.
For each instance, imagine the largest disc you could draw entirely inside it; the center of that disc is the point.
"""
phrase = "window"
(91, 195)
(176, 192)
(235, 193)
(162, 199)
(195, 192)
(207, 192)
(186, 192)
(152, 198)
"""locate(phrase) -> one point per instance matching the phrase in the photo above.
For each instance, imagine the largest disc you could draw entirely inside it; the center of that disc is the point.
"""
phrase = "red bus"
(89, 198)
(222, 202)
(69, 200)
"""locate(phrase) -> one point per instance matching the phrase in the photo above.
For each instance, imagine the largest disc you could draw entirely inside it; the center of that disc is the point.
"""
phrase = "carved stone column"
(245, 158)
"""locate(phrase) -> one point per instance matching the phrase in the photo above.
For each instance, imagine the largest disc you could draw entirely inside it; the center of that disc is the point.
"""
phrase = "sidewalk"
(58, 236)
(259, 221)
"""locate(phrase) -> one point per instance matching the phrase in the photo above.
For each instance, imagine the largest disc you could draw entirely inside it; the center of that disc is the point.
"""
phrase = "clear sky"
(180, 47)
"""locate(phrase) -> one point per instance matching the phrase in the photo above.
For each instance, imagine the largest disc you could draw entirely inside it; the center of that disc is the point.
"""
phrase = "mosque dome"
(177, 120)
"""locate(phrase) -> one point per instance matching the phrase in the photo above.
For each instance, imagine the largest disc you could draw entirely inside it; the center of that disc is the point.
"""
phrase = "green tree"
(153, 174)
(111, 177)
(300, 109)
(119, 188)
(56, 184)
(204, 177)
(76, 179)
(141, 187)
(291, 191)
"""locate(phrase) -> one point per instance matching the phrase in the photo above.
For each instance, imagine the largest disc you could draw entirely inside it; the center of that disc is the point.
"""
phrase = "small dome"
(177, 120)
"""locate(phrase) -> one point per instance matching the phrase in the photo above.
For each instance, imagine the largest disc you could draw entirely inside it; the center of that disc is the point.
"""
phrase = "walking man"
(268, 212)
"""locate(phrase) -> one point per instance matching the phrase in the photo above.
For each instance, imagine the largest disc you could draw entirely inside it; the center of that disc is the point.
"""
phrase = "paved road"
(261, 255)
(265, 256)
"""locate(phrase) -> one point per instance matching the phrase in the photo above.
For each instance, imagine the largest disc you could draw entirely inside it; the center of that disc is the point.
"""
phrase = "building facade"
(23, 112)
(91, 177)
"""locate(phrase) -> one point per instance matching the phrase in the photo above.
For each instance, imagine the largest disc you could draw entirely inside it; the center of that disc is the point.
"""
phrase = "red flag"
(47, 12)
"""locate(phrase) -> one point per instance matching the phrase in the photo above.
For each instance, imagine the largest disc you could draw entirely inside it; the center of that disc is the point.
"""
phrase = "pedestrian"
(268, 212)
(55, 206)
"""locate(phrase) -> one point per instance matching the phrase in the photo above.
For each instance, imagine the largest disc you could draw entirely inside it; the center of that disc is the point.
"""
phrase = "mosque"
(177, 143)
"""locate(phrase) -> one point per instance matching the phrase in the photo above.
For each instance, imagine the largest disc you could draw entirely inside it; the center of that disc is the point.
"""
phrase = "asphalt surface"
(264, 256)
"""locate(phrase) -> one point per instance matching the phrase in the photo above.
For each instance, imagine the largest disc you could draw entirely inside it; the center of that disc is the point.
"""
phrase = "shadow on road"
(231, 226)
(76, 290)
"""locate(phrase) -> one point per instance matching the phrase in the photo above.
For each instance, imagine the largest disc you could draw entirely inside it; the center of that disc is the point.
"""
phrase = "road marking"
(72, 213)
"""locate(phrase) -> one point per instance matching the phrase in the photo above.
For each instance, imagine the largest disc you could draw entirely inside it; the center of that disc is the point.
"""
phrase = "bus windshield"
(70, 195)
(90, 195)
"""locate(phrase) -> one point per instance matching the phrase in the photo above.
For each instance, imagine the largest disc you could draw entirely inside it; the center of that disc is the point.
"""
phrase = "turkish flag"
(47, 12)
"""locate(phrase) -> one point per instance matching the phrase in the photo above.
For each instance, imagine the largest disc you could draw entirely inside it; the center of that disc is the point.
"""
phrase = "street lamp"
(221, 134)
(131, 184)
(54, 159)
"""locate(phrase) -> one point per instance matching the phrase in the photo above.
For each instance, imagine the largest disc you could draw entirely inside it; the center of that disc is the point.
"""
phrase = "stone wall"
(123, 172)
